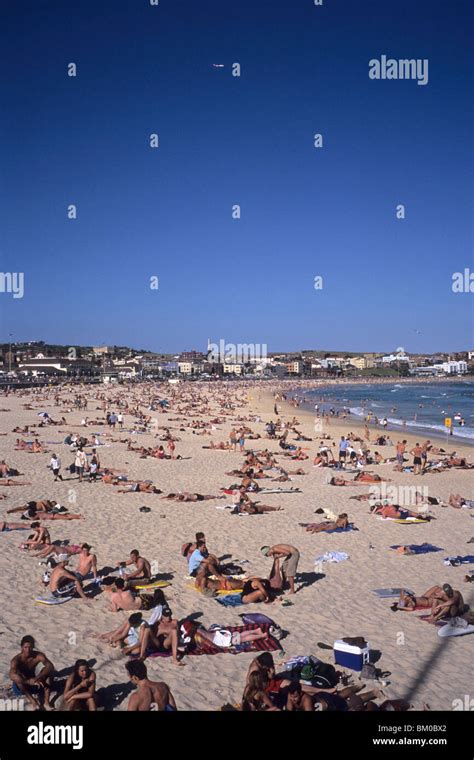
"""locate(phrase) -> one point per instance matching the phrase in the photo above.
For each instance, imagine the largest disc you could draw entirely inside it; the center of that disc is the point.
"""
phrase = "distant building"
(233, 369)
(452, 368)
(52, 365)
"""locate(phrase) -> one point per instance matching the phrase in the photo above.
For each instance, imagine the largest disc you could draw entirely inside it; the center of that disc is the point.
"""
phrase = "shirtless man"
(143, 568)
(64, 583)
(431, 598)
(120, 598)
(290, 556)
(397, 513)
(87, 563)
(417, 452)
(39, 538)
(6, 527)
(150, 695)
(23, 673)
(449, 603)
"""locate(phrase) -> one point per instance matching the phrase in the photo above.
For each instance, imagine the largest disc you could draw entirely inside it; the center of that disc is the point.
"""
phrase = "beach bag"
(319, 674)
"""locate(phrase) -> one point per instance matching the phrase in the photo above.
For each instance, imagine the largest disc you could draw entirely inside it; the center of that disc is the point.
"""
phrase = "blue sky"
(244, 140)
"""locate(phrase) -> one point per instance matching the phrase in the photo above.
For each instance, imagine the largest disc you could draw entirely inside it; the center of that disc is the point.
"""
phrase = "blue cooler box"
(349, 656)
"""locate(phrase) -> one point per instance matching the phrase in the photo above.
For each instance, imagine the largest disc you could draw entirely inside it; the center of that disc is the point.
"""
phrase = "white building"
(395, 358)
(233, 369)
(452, 368)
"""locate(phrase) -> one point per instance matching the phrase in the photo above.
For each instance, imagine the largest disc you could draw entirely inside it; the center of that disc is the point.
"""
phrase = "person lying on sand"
(443, 600)
(203, 582)
(341, 522)
(45, 505)
(397, 513)
(141, 573)
(459, 502)
(245, 504)
(23, 667)
(140, 487)
(186, 496)
(149, 695)
(6, 527)
(224, 638)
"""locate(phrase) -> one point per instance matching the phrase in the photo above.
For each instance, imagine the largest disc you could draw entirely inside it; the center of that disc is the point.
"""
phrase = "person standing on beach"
(291, 557)
(55, 465)
(400, 448)
(79, 463)
(343, 444)
(417, 452)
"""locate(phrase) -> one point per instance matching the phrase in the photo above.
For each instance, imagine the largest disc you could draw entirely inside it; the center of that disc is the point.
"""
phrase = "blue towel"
(467, 560)
(230, 600)
(421, 548)
(341, 530)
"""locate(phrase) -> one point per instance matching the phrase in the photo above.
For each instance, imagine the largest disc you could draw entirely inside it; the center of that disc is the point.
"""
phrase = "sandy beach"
(328, 605)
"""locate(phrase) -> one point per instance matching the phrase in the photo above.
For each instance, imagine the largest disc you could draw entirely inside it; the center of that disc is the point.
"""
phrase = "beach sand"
(424, 668)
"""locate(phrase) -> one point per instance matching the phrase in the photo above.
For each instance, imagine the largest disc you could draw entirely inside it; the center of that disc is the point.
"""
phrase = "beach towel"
(332, 557)
(231, 600)
(456, 627)
(270, 644)
(341, 530)
(408, 520)
(456, 561)
(419, 548)
(386, 593)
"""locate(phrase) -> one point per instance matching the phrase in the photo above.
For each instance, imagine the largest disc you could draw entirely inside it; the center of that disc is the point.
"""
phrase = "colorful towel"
(269, 644)
(231, 600)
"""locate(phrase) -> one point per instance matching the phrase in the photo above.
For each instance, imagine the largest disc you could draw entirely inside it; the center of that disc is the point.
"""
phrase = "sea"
(421, 406)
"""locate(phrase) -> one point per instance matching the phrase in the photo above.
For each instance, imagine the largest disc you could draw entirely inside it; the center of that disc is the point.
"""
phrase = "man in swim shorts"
(150, 695)
(23, 674)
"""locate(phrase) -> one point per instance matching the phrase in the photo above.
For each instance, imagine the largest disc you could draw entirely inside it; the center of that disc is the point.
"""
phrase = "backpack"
(319, 674)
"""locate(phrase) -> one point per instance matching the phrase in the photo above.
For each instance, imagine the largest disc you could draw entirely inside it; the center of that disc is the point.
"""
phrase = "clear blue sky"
(226, 140)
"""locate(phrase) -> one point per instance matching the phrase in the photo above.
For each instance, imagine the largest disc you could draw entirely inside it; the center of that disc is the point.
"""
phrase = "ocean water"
(423, 406)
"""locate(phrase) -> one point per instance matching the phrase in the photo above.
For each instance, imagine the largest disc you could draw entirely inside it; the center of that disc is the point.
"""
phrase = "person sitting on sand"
(134, 636)
(255, 697)
(38, 539)
(342, 522)
(35, 687)
(141, 573)
(149, 695)
(87, 563)
(449, 603)
(166, 634)
(64, 583)
(79, 691)
(188, 548)
(120, 598)
(201, 560)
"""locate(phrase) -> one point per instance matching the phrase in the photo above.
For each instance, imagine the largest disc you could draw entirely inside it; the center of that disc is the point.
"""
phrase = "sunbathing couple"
(186, 496)
(341, 523)
(44, 510)
(129, 599)
(394, 512)
(361, 477)
(245, 505)
(33, 447)
(444, 602)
